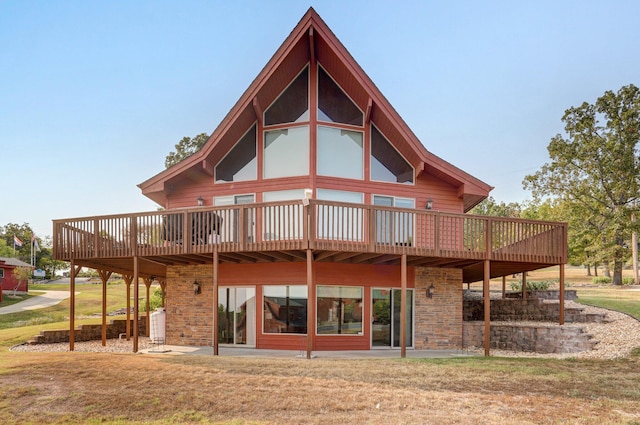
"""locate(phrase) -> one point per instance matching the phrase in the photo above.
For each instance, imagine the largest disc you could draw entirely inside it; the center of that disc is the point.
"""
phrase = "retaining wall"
(90, 332)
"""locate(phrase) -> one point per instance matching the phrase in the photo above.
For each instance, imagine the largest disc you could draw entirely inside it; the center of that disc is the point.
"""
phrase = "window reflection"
(339, 310)
(340, 153)
(286, 152)
(285, 309)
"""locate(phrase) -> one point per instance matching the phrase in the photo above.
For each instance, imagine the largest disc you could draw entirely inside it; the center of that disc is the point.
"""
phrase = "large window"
(240, 163)
(286, 152)
(340, 153)
(339, 310)
(283, 222)
(293, 103)
(237, 316)
(333, 104)
(387, 164)
(285, 309)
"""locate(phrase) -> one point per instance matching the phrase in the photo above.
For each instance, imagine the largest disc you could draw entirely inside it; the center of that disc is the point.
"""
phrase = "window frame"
(362, 311)
(263, 329)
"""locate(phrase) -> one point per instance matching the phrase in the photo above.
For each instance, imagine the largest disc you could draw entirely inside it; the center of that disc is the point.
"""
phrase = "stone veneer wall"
(194, 328)
(530, 338)
(90, 332)
(438, 320)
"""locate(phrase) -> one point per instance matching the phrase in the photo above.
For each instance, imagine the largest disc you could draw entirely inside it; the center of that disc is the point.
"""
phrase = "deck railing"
(319, 225)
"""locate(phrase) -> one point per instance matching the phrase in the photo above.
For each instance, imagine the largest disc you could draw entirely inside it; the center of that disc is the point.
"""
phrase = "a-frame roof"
(312, 38)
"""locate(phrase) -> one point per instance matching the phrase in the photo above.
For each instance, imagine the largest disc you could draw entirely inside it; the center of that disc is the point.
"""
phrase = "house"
(8, 282)
(313, 219)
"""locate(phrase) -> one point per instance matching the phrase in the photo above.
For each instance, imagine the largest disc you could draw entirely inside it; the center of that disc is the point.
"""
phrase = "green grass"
(8, 298)
(612, 298)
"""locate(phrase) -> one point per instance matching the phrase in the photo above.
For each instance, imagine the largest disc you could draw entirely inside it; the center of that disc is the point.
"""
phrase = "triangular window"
(293, 103)
(240, 163)
(333, 104)
(387, 165)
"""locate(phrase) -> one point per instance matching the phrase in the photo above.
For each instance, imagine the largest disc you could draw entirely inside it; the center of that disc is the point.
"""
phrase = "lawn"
(108, 388)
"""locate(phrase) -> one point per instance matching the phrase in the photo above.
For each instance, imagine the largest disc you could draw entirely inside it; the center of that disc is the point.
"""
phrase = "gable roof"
(312, 38)
(13, 262)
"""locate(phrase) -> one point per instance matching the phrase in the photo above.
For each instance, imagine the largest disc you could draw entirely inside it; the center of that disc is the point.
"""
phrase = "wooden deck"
(334, 231)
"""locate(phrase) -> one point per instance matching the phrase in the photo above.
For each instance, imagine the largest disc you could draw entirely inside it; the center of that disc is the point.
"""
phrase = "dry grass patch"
(128, 388)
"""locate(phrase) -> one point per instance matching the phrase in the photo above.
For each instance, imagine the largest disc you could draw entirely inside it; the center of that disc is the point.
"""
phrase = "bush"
(532, 285)
(628, 281)
(155, 300)
(601, 280)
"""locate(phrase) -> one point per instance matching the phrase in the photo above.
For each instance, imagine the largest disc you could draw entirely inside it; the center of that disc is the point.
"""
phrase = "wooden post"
(504, 287)
(72, 306)
(524, 285)
(561, 295)
(311, 304)
(403, 306)
(487, 307)
(136, 311)
(215, 300)
(104, 277)
(127, 281)
(147, 284)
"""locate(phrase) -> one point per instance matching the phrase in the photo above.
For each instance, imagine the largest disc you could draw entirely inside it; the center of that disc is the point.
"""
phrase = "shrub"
(600, 280)
(155, 300)
(628, 281)
(532, 285)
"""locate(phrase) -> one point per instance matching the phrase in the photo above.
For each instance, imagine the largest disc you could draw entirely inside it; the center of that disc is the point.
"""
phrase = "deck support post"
(504, 287)
(403, 306)
(147, 307)
(524, 285)
(487, 307)
(215, 301)
(311, 304)
(561, 294)
(136, 310)
(72, 305)
(104, 277)
(127, 280)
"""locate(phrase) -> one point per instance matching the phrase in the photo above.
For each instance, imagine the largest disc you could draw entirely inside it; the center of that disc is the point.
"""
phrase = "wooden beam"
(561, 295)
(311, 304)
(215, 301)
(72, 307)
(504, 287)
(324, 255)
(104, 277)
(136, 294)
(312, 48)
(487, 307)
(127, 280)
(403, 306)
(207, 167)
(524, 285)
(367, 114)
(257, 109)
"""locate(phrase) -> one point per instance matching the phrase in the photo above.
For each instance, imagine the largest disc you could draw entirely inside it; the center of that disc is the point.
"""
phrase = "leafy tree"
(185, 148)
(21, 274)
(595, 170)
(492, 208)
(23, 232)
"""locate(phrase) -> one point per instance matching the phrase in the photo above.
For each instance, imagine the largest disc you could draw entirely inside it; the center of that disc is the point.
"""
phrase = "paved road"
(48, 299)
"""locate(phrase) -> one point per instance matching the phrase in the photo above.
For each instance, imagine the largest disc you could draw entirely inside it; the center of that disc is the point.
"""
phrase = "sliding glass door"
(237, 316)
(385, 318)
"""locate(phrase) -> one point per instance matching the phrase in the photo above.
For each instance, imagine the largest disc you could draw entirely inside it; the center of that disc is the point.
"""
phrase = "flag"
(17, 242)
(36, 245)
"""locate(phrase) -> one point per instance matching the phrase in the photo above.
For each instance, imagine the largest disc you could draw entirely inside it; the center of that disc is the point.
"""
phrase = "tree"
(490, 207)
(595, 170)
(21, 274)
(185, 148)
(22, 232)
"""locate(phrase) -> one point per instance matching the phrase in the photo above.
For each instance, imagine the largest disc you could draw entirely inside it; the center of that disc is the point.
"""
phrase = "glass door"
(385, 318)
(237, 316)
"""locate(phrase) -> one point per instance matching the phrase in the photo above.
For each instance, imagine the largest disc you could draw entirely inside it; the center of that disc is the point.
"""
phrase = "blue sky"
(95, 94)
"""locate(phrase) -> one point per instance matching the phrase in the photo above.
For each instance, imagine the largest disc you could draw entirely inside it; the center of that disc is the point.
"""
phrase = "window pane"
(286, 152)
(293, 104)
(387, 164)
(333, 104)
(340, 153)
(285, 309)
(282, 222)
(240, 163)
(339, 310)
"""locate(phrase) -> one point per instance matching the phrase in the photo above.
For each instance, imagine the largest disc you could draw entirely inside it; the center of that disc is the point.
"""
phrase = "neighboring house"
(7, 279)
(314, 219)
